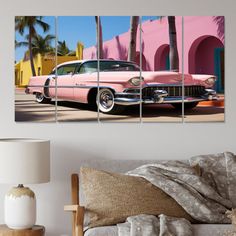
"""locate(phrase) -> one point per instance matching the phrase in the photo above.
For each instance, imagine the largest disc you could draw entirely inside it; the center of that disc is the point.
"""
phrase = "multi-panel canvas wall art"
(119, 69)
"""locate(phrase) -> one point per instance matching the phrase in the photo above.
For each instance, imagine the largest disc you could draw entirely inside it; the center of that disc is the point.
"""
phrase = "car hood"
(150, 77)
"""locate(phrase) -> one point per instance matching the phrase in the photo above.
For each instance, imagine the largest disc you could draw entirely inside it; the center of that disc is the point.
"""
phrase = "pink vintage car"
(119, 84)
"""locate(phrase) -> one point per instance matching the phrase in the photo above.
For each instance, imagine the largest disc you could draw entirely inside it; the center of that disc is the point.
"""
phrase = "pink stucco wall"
(202, 34)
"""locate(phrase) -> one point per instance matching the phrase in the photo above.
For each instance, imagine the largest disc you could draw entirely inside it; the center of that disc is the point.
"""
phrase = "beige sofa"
(120, 166)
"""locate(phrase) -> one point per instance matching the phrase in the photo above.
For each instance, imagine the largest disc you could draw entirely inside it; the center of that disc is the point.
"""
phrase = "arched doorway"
(161, 58)
(206, 56)
(144, 61)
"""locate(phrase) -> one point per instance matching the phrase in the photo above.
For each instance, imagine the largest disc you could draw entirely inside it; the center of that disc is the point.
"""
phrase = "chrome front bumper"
(161, 97)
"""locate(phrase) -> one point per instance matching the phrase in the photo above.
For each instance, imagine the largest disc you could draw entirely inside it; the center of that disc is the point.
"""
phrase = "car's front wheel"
(187, 106)
(105, 102)
(40, 98)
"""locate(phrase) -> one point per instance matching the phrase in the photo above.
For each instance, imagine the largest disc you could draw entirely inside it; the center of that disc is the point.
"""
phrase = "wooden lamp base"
(35, 231)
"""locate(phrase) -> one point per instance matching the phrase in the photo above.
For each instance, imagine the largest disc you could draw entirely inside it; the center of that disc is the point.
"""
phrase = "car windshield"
(88, 67)
(66, 69)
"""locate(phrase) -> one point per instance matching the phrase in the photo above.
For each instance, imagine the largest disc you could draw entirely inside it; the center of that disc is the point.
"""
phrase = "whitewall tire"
(40, 98)
(106, 103)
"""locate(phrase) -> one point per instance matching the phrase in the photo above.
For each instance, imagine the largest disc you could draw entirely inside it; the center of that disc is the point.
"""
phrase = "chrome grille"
(175, 91)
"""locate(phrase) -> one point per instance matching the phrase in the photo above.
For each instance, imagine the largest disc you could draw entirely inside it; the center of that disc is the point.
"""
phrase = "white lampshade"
(24, 161)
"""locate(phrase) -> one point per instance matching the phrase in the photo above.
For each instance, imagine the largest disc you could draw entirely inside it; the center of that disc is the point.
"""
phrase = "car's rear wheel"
(187, 106)
(40, 98)
(105, 102)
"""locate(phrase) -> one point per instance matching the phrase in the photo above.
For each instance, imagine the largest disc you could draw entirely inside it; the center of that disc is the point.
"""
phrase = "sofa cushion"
(110, 198)
(198, 229)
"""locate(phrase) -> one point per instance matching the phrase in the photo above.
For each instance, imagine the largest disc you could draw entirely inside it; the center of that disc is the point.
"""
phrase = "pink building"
(202, 39)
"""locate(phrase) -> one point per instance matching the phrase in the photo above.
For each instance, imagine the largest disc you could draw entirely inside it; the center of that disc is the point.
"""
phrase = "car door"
(85, 78)
(65, 81)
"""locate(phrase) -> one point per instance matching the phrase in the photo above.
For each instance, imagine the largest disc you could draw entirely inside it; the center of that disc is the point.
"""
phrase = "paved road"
(27, 110)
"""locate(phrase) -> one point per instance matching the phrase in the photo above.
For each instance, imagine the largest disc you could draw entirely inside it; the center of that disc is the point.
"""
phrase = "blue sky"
(81, 28)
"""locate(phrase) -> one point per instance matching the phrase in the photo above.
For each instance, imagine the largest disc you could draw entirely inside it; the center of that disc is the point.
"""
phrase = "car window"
(66, 69)
(88, 67)
(77, 68)
(91, 66)
(118, 66)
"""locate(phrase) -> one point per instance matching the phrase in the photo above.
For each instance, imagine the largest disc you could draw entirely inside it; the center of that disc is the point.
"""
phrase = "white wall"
(74, 141)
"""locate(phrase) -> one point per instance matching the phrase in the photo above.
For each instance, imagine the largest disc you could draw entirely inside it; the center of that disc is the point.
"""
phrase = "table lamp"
(23, 161)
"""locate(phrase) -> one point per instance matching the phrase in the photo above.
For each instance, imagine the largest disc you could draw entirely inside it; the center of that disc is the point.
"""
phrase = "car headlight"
(135, 81)
(210, 81)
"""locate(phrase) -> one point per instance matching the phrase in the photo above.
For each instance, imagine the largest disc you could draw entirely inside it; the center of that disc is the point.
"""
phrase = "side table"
(37, 230)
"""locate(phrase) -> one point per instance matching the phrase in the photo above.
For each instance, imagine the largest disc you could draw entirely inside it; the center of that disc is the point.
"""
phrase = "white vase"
(20, 208)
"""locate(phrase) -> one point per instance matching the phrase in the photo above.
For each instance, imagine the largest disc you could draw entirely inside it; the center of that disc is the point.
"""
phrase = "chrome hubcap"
(106, 99)
(39, 97)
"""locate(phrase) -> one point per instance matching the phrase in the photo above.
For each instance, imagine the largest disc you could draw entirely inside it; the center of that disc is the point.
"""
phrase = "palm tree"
(134, 20)
(63, 49)
(174, 55)
(23, 23)
(40, 45)
(99, 36)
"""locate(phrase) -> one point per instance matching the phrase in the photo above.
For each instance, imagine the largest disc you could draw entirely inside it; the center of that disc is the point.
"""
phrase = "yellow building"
(43, 65)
